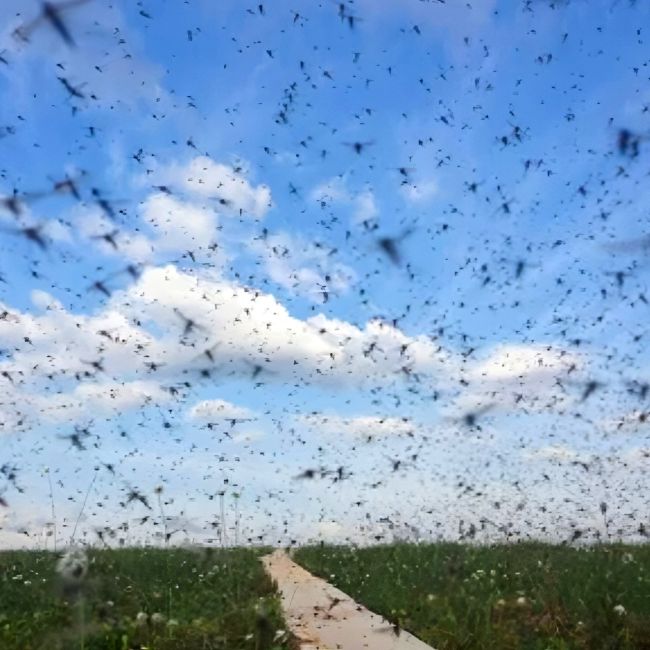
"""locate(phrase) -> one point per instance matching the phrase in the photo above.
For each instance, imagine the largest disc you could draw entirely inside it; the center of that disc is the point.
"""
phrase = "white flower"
(521, 601)
(73, 567)
(141, 619)
(620, 610)
(158, 618)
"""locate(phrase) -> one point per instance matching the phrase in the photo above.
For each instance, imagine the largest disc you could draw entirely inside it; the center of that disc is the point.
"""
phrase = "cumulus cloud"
(335, 190)
(103, 398)
(177, 224)
(364, 425)
(169, 327)
(513, 362)
(172, 327)
(225, 187)
(519, 376)
(168, 225)
(218, 409)
(302, 267)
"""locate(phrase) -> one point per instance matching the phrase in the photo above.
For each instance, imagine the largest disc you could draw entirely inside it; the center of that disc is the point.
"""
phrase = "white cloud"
(218, 409)
(364, 426)
(303, 267)
(141, 335)
(168, 225)
(247, 436)
(523, 377)
(178, 225)
(451, 21)
(419, 192)
(511, 362)
(552, 453)
(228, 190)
(365, 207)
(335, 190)
(101, 398)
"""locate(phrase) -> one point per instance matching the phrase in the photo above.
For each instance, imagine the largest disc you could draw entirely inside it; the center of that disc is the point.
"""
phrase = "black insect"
(359, 147)
(51, 13)
(390, 246)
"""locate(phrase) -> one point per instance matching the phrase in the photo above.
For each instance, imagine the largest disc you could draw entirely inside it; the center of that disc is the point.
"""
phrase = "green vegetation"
(152, 599)
(525, 596)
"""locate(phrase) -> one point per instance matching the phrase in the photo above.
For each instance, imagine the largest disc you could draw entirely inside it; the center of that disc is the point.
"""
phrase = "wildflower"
(73, 567)
(141, 619)
(158, 619)
(172, 622)
(521, 601)
(620, 610)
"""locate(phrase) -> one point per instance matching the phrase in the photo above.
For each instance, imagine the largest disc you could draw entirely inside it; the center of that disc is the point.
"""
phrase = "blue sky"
(489, 134)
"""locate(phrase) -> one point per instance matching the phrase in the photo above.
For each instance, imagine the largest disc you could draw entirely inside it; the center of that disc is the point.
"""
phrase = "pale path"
(324, 618)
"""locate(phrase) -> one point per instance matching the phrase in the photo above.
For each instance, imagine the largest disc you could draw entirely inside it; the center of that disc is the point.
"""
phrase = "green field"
(525, 596)
(207, 599)
(453, 596)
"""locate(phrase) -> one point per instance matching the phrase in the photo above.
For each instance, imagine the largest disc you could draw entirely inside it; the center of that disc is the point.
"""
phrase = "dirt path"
(324, 618)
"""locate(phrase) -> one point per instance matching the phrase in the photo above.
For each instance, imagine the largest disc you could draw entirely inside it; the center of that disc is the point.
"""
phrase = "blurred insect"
(51, 13)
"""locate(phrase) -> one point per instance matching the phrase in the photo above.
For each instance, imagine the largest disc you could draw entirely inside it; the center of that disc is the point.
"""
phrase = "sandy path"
(324, 618)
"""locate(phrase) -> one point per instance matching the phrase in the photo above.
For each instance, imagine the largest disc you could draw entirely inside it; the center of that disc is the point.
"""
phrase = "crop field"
(523, 596)
(158, 599)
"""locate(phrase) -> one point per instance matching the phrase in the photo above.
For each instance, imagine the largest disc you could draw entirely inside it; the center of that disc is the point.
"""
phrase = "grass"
(523, 596)
(210, 599)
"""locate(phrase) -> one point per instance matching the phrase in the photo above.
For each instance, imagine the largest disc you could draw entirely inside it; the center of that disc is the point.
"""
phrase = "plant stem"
(83, 506)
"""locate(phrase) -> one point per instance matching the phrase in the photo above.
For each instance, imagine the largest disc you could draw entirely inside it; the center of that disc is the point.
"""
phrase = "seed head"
(73, 567)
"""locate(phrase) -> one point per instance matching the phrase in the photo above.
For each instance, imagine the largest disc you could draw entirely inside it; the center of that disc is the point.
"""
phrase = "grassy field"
(525, 596)
(453, 596)
(140, 598)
